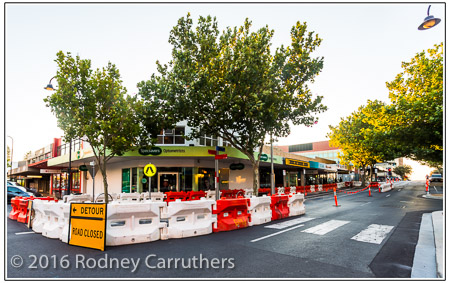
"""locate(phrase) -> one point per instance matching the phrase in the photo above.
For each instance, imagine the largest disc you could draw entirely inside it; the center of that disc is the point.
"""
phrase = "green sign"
(264, 157)
(237, 166)
(144, 180)
(152, 151)
(83, 168)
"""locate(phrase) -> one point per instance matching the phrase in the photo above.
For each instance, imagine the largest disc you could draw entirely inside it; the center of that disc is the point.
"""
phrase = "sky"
(363, 47)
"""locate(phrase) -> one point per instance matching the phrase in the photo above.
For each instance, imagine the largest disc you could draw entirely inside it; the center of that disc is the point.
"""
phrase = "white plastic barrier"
(357, 183)
(341, 185)
(399, 185)
(259, 210)
(54, 220)
(319, 188)
(296, 204)
(100, 198)
(211, 195)
(280, 190)
(131, 223)
(65, 222)
(293, 190)
(312, 188)
(153, 197)
(129, 197)
(187, 218)
(385, 187)
(248, 193)
(77, 198)
(39, 219)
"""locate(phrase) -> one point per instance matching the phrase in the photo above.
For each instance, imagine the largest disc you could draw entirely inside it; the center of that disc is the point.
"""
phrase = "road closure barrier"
(54, 219)
(39, 218)
(296, 204)
(15, 203)
(231, 214)
(279, 206)
(132, 223)
(155, 197)
(319, 188)
(195, 195)
(173, 196)
(187, 218)
(260, 211)
(77, 198)
(129, 197)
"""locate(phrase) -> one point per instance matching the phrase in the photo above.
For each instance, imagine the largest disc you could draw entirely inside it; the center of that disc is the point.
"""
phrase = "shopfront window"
(206, 179)
(126, 180)
(208, 140)
(172, 136)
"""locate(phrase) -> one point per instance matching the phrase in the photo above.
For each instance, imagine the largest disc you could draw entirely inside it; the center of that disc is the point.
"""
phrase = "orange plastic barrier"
(172, 196)
(348, 184)
(15, 201)
(195, 195)
(232, 214)
(287, 190)
(279, 206)
(23, 207)
(264, 191)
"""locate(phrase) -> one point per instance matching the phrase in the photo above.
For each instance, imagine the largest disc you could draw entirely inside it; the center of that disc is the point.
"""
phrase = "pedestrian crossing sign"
(150, 170)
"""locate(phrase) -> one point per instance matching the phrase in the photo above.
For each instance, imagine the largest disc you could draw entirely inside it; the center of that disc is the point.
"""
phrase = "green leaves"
(230, 84)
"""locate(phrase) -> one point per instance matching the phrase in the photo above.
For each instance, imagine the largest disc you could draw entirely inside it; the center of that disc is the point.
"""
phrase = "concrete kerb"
(438, 227)
(424, 263)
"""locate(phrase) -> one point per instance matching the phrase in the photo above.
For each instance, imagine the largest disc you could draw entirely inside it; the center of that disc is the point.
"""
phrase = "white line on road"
(399, 190)
(277, 233)
(373, 234)
(388, 195)
(435, 189)
(289, 223)
(23, 233)
(407, 201)
(326, 227)
(365, 203)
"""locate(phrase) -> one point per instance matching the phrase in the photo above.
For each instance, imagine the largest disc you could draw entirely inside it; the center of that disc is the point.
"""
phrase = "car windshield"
(14, 190)
(436, 175)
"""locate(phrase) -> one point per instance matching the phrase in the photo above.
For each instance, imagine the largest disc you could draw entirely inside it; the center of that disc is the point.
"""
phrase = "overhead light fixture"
(429, 21)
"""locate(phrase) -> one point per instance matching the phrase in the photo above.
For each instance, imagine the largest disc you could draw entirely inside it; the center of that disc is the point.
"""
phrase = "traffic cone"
(369, 193)
(335, 198)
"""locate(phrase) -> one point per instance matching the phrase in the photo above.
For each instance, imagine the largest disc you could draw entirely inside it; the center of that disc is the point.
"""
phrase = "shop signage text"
(152, 151)
(50, 171)
(264, 157)
(237, 166)
(298, 163)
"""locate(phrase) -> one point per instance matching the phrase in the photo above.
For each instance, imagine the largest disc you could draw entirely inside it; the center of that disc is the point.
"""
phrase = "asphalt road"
(319, 244)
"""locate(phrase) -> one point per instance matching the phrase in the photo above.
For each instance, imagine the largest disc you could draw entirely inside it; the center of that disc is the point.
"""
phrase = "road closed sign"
(87, 226)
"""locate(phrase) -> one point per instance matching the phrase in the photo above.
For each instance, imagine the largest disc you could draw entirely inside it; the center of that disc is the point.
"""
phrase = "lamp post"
(12, 148)
(429, 21)
(50, 87)
(272, 183)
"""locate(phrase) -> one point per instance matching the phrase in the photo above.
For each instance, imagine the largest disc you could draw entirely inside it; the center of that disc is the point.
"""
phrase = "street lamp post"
(272, 183)
(12, 148)
(69, 189)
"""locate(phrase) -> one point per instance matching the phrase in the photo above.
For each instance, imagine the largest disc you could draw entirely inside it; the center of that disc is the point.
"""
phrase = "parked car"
(436, 178)
(15, 192)
(23, 189)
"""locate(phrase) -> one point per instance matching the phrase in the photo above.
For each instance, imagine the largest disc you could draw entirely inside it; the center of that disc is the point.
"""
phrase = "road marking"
(365, 203)
(388, 196)
(399, 190)
(435, 189)
(23, 233)
(277, 233)
(289, 223)
(407, 201)
(326, 227)
(373, 234)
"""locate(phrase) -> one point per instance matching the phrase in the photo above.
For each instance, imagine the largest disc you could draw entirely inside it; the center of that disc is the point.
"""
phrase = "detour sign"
(87, 226)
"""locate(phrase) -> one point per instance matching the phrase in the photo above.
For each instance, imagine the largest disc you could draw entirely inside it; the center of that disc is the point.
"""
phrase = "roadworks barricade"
(231, 214)
(211, 195)
(132, 223)
(172, 196)
(38, 218)
(153, 197)
(15, 203)
(195, 195)
(77, 198)
(187, 218)
(100, 198)
(279, 206)
(296, 204)
(356, 183)
(319, 188)
(260, 211)
(385, 187)
(54, 219)
(340, 185)
(129, 197)
(312, 188)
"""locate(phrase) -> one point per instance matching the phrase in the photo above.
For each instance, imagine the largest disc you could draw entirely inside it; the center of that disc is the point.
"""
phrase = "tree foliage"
(361, 138)
(93, 106)
(403, 170)
(230, 84)
(416, 111)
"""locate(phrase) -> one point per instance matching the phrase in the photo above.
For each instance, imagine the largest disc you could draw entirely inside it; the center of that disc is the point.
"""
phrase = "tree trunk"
(255, 164)
(105, 180)
(364, 176)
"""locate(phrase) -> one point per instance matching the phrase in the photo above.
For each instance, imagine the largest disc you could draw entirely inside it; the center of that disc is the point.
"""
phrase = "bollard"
(427, 187)
(335, 198)
(369, 192)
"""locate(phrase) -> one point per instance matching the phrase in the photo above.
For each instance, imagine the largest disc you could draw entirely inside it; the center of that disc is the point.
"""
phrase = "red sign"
(221, 156)
(212, 151)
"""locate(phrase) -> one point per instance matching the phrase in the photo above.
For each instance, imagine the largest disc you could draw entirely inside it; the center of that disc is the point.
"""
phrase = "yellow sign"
(298, 163)
(88, 225)
(150, 170)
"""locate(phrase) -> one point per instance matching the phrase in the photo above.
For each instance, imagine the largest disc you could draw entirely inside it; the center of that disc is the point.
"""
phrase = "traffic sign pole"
(216, 177)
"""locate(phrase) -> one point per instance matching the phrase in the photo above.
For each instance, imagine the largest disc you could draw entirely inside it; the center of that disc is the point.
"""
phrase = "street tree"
(8, 157)
(27, 155)
(416, 112)
(362, 141)
(232, 85)
(403, 170)
(93, 106)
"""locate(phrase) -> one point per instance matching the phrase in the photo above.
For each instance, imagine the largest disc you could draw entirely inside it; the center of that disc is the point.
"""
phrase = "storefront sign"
(152, 151)
(150, 170)
(143, 181)
(264, 157)
(237, 166)
(83, 168)
(50, 171)
(87, 225)
(298, 163)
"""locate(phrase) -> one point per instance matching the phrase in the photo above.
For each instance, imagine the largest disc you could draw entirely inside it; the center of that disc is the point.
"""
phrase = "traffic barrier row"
(19, 206)
(129, 221)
